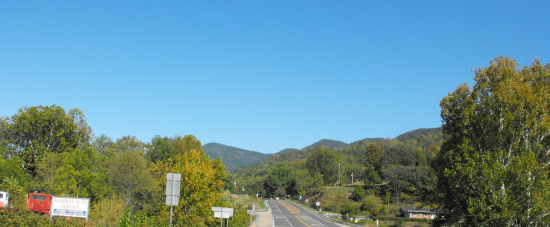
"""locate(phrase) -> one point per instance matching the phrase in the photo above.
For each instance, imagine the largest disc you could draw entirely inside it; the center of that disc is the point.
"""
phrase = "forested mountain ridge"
(232, 157)
(418, 132)
(398, 156)
(326, 143)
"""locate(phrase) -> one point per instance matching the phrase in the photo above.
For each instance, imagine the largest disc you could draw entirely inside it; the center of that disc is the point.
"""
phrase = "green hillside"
(326, 143)
(419, 132)
(366, 140)
(232, 157)
(410, 154)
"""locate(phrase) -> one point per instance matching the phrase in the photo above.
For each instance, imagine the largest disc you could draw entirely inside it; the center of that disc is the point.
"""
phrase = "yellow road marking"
(290, 208)
(303, 222)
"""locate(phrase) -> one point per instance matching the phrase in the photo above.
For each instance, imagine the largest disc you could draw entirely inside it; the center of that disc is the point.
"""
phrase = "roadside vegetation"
(488, 165)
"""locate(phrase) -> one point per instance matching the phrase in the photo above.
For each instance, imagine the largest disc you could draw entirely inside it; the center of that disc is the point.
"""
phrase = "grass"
(247, 201)
(335, 198)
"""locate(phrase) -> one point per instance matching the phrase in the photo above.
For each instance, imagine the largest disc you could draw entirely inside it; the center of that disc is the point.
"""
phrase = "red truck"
(39, 202)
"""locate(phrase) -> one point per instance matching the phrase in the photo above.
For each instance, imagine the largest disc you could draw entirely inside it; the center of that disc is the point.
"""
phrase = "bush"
(383, 210)
(369, 191)
(349, 208)
(358, 193)
(368, 205)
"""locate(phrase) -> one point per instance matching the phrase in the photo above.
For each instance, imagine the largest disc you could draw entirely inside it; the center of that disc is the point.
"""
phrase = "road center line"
(302, 221)
(290, 208)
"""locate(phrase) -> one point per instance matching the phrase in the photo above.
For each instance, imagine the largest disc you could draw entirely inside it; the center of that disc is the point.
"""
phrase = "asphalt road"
(288, 214)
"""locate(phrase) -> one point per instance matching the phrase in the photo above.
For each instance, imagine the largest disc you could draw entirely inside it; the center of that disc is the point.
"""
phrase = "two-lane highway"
(288, 214)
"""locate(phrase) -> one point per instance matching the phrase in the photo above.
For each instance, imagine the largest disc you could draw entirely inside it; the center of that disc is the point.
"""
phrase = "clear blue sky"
(258, 75)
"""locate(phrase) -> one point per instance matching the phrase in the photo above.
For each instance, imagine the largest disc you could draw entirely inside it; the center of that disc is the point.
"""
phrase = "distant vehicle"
(4, 199)
(39, 202)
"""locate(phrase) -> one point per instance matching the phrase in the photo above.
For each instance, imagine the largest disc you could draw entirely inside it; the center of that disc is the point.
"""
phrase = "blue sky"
(258, 75)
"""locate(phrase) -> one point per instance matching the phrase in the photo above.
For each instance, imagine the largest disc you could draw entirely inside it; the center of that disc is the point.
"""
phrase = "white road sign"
(173, 185)
(70, 207)
(222, 212)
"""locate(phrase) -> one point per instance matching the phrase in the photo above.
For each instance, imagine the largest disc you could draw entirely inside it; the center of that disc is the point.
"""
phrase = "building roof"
(417, 210)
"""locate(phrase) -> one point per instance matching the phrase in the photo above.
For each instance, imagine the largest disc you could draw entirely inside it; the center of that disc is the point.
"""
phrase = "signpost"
(173, 184)
(251, 212)
(70, 207)
(223, 212)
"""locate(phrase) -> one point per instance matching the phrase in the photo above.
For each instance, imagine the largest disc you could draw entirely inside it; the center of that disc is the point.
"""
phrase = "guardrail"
(338, 221)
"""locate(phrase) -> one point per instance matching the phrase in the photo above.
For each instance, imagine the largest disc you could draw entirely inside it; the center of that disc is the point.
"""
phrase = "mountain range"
(234, 158)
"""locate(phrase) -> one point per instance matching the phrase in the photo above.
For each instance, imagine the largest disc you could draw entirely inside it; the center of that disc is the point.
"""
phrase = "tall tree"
(202, 180)
(34, 131)
(78, 173)
(374, 154)
(281, 182)
(128, 174)
(324, 162)
(493, 167)
(161, 149)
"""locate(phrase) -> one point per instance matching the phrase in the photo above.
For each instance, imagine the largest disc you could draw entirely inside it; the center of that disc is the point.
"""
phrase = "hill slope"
(418, 132)
(324, 143)
(232, 157)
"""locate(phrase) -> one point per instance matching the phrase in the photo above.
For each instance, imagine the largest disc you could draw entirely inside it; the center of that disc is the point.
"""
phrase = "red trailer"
(39, 202)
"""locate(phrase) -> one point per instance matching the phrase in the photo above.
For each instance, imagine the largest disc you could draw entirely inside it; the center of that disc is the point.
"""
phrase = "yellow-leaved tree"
(202, 182)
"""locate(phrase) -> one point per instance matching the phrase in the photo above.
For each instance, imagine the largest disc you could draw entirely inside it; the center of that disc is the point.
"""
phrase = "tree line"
(53, 151)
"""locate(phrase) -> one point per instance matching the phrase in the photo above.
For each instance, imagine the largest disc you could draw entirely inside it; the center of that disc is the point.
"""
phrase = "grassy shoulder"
(339, 200)
(247, 201)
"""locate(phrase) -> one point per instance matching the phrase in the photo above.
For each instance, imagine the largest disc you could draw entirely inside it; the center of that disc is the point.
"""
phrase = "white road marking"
(288, 221)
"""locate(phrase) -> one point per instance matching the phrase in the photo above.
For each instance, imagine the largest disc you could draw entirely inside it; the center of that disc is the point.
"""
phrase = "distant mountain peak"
(328, 144)
(232, 157)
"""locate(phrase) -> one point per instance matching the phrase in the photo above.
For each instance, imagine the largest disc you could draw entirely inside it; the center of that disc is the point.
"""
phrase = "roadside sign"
(222, 212)
(173, 185)
(70, 207)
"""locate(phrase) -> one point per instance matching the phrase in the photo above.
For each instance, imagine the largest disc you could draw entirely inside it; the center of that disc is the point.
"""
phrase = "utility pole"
(339, 178)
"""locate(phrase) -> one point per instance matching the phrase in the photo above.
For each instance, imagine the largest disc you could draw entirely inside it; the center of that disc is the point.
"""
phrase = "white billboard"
(70, 207)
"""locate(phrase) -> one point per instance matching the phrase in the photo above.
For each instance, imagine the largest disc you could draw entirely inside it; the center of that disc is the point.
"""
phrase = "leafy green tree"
(7, 150)
(78, 173)
(420, 158)
(493, 167)
(408, 182)
(131, 143)
(358, 193)
(12, 167)
(280, 182)
(374, 154)
(104, 146)
(324, 162)
(16, 191)
(129, 176)
(161, 149)
(400, 153)
(34, 131)
(371, 177)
